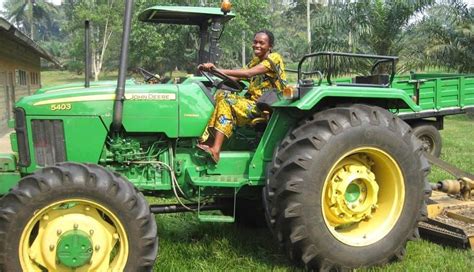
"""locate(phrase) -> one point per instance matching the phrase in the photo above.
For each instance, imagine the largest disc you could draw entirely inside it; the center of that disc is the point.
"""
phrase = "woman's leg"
(230, 110)
(221, 124)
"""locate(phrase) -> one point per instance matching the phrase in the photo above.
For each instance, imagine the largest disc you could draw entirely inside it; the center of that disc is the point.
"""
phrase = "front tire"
(76, 216)
(346, 189)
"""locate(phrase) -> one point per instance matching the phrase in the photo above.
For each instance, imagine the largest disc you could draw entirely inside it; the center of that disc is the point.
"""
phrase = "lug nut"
(51, 247)
(76, 226)
(58, 232)
(97, 247)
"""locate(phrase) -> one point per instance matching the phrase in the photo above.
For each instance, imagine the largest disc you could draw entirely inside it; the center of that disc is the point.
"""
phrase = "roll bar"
(380, 59)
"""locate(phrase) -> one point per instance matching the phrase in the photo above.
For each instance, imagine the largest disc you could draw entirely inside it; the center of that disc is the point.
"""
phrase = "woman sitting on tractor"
(265, 71)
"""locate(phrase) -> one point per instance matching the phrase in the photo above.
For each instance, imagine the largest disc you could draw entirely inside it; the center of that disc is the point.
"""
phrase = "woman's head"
(263, 43)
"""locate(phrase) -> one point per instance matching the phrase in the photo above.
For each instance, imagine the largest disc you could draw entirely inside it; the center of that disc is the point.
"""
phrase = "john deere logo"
(151, 96)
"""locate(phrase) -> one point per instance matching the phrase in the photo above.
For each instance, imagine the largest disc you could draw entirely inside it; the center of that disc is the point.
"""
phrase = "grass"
(189, 245)
(186, 244)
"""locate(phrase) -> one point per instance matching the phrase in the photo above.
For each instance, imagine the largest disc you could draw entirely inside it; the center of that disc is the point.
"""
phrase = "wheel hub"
(74, 235)
(74, 249)
(427, 143)
(352, 192)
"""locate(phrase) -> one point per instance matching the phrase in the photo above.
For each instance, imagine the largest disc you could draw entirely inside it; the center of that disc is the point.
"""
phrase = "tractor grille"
(22, 138)
(48, 140)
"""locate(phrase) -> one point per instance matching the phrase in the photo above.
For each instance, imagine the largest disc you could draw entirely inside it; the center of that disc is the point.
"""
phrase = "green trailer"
(337, 176)
(438, 95)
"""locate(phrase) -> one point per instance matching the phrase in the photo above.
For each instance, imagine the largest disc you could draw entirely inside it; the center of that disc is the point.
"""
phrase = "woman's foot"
(213, 155)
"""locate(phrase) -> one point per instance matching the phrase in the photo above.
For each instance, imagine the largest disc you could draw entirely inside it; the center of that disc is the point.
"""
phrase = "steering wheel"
(226, 81)
(147, 76)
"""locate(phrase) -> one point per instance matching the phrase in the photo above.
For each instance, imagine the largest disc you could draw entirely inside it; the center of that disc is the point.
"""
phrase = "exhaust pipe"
(87, 62)
(120, 91)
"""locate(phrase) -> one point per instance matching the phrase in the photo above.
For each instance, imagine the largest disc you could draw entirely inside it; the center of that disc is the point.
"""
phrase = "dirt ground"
(5, 143)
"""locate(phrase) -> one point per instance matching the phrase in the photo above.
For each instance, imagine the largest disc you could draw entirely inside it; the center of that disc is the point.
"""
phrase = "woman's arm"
(237, 73)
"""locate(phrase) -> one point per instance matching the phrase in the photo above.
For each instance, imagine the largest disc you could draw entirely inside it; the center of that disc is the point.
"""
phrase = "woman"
(265, 71)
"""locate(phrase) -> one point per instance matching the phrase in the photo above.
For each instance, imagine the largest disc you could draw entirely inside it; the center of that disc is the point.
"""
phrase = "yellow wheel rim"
(363, 196)
(40, 238)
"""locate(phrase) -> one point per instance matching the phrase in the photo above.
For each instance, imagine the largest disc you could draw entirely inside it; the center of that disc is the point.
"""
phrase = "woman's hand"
(206, 66)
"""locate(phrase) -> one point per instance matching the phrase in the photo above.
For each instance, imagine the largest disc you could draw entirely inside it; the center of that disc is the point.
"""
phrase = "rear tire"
(76, 202)
(346, 189)
(430, 138)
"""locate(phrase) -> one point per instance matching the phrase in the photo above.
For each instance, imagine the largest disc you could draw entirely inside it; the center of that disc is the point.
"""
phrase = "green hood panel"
(80, 85)
(147, 108)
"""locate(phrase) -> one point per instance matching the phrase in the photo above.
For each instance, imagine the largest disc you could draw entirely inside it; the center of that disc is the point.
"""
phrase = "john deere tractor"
(339, 179)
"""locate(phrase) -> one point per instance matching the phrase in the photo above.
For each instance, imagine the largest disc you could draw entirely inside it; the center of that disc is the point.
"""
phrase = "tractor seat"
(261, 121)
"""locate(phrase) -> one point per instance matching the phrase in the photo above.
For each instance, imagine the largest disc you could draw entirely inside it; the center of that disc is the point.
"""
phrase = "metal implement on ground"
(451, 208)
(330, 168)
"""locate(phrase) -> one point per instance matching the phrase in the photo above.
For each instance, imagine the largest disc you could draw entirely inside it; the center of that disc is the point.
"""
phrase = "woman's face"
(261, 45)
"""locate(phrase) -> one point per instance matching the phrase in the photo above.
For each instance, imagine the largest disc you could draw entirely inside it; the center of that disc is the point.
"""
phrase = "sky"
(57, 2)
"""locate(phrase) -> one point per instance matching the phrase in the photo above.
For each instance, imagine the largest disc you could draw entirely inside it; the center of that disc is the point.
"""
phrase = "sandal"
(213, 156)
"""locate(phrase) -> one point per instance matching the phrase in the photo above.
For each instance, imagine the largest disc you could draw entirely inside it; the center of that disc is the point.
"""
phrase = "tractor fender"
(332, 95)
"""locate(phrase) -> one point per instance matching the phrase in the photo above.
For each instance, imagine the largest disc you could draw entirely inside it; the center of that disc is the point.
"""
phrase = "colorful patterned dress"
(233, 110)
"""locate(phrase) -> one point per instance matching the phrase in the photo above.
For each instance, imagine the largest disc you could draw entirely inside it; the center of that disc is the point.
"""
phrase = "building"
(20, 64)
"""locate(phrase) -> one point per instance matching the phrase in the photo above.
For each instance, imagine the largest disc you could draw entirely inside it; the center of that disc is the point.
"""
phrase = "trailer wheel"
(76, 216)
(346, 189)
(430, 138)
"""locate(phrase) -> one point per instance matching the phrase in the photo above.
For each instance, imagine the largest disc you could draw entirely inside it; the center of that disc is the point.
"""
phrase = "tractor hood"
(154, 108)
(73, 99)
(80, 85)
(183, 15)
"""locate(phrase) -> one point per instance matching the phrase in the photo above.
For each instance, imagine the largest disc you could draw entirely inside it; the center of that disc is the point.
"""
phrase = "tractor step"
(221, 181)
(212, 217)
(216, 218)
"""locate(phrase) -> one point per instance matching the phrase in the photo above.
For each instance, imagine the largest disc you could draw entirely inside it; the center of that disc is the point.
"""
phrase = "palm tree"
(450, 30)
(28, 14)
(365, 26)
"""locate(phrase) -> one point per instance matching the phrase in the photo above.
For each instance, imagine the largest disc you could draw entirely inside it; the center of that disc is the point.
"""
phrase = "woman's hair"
(271, 38)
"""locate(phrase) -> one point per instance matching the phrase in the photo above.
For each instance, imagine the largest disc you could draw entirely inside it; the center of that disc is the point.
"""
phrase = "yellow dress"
(233, 110)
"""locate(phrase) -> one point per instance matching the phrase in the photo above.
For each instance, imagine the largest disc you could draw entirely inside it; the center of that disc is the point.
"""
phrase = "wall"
(14, 84)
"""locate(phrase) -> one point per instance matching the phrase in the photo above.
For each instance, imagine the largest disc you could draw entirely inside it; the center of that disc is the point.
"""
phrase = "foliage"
(30, 15)
(450, 28)
(105, 18)
(423, 33)
(251, 16)
(167, 47)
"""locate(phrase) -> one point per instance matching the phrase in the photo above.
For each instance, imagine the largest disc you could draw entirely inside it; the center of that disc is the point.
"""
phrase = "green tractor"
(339, 179)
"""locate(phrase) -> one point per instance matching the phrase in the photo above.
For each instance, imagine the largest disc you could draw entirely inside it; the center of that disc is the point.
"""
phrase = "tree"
(449, 27)
(164, 47)
(106, 18)
(30, 14)
(366, 26)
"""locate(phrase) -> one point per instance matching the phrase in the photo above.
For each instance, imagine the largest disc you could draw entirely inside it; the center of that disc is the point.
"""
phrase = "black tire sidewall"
(294, 190)
(326, 159)
(100, 195)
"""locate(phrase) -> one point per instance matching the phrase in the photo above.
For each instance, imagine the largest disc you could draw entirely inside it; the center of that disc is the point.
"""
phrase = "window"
(21, 77)
(34, 76)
